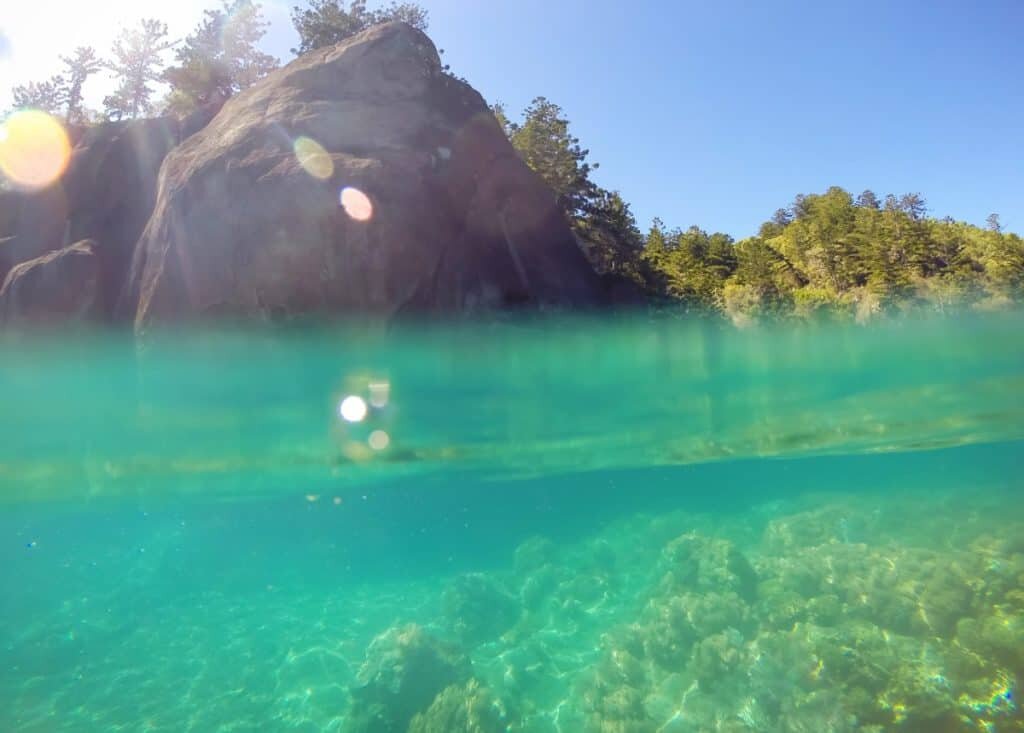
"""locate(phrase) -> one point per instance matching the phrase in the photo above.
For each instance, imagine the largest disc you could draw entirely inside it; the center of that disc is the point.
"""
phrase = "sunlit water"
(571, 525)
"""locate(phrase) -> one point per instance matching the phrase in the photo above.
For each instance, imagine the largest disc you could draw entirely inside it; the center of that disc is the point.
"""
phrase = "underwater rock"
(998, 635)
(359, 178)
(820, 526)
(466, 708)
(405, 669)
(477, 609)
(694, 562)
(906, 590)
(615, 708)
(533, 554)
(717, 657)
(671, 626)
(876, 635)
(869, 676)
(611, 695)
(539, 585)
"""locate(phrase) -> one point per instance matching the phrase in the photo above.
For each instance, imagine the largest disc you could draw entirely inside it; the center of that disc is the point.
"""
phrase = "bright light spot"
(353, 409)
(337, 501)
(379, 440)
(312, 497)
(356, 204)
(313, 158)
(34, 149)
(380, 393)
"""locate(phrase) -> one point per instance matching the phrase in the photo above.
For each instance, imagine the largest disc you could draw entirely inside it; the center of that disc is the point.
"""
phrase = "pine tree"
(327, 22)
(868, 200)
(220, 58)
(79, 67)
(498, 110)
(612, 241)
(137, 57)
(546, 145)
(46, 96)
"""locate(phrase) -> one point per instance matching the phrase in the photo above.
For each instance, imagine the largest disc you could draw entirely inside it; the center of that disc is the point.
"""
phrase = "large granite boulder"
(58, 287)
(359, 178)
(106, 194)
(111, 188)
(31, 224)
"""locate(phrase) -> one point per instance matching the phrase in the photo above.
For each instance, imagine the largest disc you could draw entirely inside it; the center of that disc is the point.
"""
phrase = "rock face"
(358, 179)
(106, 195)
(111, 187)
(57, 287)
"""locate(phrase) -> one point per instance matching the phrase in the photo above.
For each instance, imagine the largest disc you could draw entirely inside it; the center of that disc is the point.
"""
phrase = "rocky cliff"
(360, 178)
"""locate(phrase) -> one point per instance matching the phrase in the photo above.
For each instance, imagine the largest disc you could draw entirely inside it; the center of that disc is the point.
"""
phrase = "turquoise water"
(543, 525)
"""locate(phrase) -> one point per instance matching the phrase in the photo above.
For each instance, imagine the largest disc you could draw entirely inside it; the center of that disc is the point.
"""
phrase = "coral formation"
(405, 669)
(471, 708)
(840, 618)
(477, 609)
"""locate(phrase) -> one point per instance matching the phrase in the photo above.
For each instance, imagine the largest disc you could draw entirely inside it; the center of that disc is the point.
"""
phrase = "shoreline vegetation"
(831, 255)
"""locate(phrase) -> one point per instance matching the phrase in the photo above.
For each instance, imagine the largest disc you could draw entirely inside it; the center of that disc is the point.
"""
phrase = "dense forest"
(829, 254)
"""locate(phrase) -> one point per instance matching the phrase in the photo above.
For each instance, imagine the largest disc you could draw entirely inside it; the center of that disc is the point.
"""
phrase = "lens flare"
(356, 204)
(379, 440)
(34, 149)
(380, 393)
(353, 409)
(313, 158)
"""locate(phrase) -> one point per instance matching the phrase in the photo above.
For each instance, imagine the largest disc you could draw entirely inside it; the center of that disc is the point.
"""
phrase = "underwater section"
(629, 528)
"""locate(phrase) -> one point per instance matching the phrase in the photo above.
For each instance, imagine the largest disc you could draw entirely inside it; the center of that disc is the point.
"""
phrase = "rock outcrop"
(106, 195)
(360, 178)
(58, 287)
(405, 670)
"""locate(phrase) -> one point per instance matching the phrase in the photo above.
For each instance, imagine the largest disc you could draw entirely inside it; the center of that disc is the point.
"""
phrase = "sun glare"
(34, 149)
(313, 158)
(356, 204)
(353, 409)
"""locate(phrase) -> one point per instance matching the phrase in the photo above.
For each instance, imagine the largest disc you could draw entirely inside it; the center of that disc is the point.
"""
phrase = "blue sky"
(717, 113)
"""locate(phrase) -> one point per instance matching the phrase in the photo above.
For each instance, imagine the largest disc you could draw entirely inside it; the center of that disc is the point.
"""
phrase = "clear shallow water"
(634, 526)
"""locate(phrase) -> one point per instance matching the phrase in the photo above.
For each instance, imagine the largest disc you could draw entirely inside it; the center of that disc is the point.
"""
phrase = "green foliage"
(137, 59)
(327, 22)
(220, 58)
(691, 266)
(829, 254)
(545, 143)
(609, 235)
(498, 109)
(602, 219)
